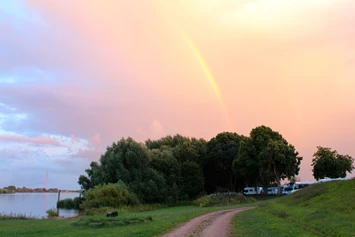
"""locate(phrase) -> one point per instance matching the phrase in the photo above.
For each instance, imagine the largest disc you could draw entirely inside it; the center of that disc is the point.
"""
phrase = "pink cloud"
(89, 154)
(46, 140)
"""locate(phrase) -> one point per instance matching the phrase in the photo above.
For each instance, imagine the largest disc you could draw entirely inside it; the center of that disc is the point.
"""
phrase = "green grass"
(325, 209)
(162, 220)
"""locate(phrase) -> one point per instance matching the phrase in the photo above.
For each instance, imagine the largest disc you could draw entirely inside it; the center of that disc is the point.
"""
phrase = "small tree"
(328, 163)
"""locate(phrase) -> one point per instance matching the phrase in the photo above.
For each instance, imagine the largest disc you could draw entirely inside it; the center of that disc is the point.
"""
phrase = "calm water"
(34, 204)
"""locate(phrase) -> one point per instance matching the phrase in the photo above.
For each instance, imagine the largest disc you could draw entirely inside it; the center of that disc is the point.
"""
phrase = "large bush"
(109, 195)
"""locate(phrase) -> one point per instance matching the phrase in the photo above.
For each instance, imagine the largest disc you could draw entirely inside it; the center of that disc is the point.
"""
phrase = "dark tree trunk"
(277, 180)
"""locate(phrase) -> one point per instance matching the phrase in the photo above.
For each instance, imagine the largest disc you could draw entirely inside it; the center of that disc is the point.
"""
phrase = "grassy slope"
(163, 220)
(326, 209)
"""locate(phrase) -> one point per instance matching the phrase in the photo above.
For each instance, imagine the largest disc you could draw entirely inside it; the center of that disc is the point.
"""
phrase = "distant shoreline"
(13, 189)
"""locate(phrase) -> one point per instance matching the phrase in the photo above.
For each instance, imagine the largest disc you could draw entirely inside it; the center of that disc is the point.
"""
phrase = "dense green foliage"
(328, 163)
(52, 213)
(177, 168)
(266, 157)
(222, 150)
(229, 198)
(69, 203)
(325, 209)
(109, 195)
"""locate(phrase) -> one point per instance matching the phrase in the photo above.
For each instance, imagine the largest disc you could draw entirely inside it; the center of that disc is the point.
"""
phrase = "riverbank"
(4, 190)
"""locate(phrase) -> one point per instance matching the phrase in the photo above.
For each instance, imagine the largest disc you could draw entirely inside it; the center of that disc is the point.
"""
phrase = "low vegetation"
(109, 195)
(325, 209)
(69, 203)
(220, 199)
(52, 213)
(13, 216)
(101, 221)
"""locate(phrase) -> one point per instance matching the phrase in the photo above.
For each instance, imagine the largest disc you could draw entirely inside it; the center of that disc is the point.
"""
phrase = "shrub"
(69, 203)
(52, 213)
(109, 195)
(227, 198)
(97, 211)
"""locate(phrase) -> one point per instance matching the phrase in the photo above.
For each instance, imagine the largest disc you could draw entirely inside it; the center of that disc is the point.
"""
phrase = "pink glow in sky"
(76, 77)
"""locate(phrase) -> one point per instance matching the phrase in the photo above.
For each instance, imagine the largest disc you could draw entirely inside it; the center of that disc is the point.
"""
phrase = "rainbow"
(208, 74)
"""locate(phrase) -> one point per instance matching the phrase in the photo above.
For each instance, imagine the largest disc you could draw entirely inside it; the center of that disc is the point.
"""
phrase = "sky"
(76, 76)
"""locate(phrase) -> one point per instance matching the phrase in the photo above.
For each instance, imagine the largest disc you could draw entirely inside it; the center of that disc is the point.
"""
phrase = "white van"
(274, 190)
(251, 190)
(294, 187)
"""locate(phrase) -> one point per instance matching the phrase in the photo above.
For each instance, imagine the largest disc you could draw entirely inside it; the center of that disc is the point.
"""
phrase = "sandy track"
(211, 224)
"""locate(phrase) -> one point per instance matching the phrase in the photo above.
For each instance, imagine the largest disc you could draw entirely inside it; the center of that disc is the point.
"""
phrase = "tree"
(246, 164)
(279, 161)
(84, 182)
(328, 163)
(192, 179)
(266, 157)
(222, 150)
(127, 161)
(164, 161)
(179, 159)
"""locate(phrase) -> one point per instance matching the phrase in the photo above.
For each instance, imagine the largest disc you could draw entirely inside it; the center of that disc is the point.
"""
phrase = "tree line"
(178, 168)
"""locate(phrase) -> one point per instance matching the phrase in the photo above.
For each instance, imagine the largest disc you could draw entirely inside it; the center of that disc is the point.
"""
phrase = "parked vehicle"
(252, 191)
(294, 187)
(274, 191)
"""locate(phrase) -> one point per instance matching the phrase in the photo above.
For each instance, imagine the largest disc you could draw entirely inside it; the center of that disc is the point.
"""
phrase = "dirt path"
(211, 224)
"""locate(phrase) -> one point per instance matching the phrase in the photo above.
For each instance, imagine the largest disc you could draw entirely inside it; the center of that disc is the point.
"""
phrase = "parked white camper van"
(293, 187)
(274, 191)
(251, 190)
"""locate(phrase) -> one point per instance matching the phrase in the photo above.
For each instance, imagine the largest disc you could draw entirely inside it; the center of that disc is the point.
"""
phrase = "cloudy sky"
(76, 75)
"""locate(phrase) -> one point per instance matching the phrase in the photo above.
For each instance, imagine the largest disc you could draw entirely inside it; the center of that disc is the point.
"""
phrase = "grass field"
(162, 220)
(319, 210)
(326, 209)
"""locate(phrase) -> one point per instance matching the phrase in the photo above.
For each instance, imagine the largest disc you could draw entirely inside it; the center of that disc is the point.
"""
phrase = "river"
(34, 204)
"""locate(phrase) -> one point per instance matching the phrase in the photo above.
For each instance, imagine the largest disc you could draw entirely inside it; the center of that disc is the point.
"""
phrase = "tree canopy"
(328, 163)
(266, 157)
(176, 168)
(222, 150)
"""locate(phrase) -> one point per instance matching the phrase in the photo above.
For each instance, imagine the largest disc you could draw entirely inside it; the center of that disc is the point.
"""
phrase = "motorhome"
(274, 190)
(252, 191)
(294, 187)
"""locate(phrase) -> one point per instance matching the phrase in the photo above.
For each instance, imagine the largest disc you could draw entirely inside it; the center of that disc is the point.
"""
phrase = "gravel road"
(214, 224)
